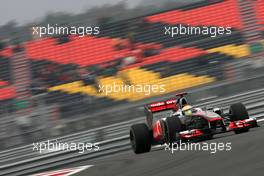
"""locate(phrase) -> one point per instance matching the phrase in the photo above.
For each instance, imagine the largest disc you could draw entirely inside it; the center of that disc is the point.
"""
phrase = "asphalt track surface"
(245, 158)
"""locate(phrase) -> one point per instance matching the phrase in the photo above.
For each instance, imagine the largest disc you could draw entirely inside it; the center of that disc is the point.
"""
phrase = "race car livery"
(167, 122)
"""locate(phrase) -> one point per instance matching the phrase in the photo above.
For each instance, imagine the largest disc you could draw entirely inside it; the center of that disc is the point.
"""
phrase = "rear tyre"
(173, 128)
(140, 138)
(238, 112)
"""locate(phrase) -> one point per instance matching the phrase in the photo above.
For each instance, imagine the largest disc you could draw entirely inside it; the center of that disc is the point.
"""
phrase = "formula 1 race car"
(170, 121)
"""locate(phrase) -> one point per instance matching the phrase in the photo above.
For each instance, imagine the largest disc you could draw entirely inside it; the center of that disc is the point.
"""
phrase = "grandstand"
(181, 62)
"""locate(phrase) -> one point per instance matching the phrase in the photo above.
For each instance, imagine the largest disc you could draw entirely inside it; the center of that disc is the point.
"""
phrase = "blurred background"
(49, 85)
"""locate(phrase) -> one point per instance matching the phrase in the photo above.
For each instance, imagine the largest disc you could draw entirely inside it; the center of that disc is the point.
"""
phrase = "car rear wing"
(162, 105)
(181, 94)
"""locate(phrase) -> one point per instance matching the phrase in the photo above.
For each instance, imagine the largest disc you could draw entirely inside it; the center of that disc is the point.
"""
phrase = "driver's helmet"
(181, 102)
(187, 110)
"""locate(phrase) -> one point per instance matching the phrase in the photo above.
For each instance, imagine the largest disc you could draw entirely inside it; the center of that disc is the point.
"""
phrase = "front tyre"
(238, 112)
(140, 138)
(173, 127)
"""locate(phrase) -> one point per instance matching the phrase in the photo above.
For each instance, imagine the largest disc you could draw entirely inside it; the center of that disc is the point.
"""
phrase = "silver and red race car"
(174, 120)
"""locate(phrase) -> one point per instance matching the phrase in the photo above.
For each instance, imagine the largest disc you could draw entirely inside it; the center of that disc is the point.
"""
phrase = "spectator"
(118, 44)
(65, 77)
(50, 75)
(37, 86)
(137, 53)
(131, 40)
(88, 78)
(128, 61)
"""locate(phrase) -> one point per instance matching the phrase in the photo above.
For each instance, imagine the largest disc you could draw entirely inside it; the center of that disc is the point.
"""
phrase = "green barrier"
(256, 48)
(21, 104)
